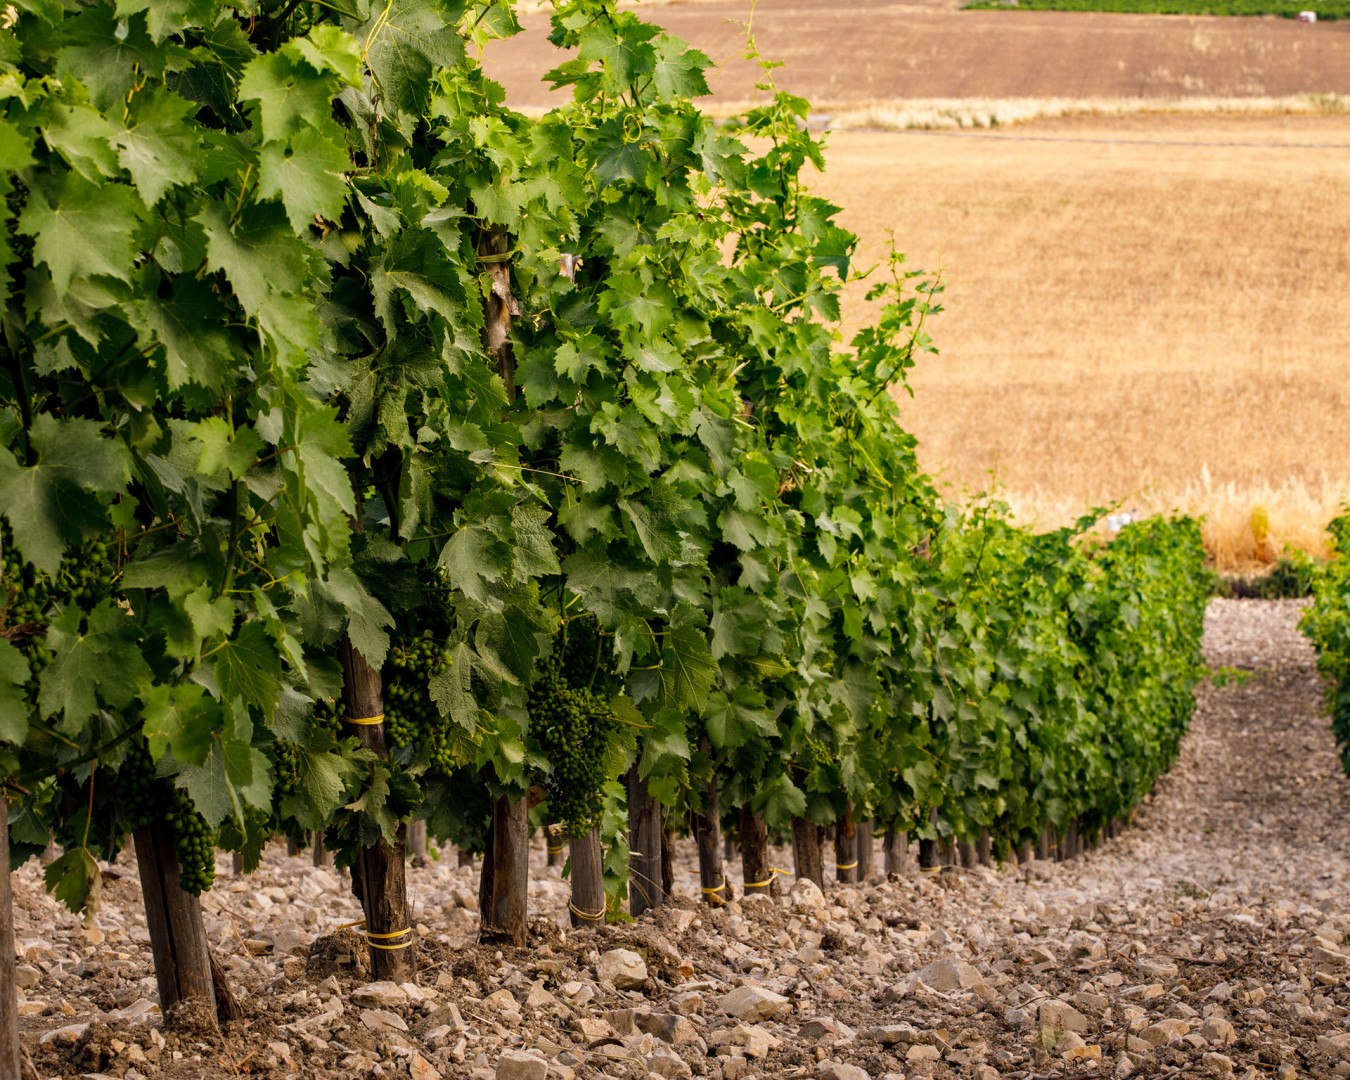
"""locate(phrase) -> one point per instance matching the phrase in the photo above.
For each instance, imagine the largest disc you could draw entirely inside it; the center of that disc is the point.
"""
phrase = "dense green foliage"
(253, 401)
(1288, 9)
(1327, 624)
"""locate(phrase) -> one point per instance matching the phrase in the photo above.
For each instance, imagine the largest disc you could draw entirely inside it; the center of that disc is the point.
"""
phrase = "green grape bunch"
(411, 718)
(570, 724)
(143, 798)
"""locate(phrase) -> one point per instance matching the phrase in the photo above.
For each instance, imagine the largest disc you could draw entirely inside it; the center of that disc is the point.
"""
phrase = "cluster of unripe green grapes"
(571, 723)
(28, 596)
(144, 798)
(411, 718)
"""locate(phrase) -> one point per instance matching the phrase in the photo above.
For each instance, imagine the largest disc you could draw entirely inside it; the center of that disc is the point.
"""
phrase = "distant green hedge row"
(1286, 9)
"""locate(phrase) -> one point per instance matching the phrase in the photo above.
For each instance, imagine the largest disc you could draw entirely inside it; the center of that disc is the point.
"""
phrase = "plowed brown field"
(843, 53)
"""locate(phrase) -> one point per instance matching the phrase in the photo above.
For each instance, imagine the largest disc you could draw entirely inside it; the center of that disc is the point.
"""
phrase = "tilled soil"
(1209, 939)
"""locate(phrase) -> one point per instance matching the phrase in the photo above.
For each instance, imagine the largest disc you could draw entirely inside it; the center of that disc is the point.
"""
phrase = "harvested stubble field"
(1148, 288)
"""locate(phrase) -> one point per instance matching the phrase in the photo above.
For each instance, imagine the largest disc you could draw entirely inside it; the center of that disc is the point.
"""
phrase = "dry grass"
(1148, 309)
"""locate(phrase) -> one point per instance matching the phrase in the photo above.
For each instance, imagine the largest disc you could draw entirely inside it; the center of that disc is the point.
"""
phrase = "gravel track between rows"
(1208, 939)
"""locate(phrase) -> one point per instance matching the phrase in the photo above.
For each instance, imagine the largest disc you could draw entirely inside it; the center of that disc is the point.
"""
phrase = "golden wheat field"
(1152, 309)
(1146, 257)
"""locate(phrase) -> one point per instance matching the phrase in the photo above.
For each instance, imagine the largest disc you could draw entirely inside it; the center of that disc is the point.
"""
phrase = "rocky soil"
(1209, 939)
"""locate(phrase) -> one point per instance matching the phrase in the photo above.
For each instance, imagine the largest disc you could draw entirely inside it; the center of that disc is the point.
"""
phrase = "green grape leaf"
(306, 174)
(84, 137)
(224, 449)
(85, 229)
(188, 326)
(404, 43)
(290, 94)
(452, 687)
(72, 878)
(248, 669)
(781, 801)
(14, 704)
(157, 146)
(165, 17)
(687, 668)
(50, 503)
(678, 69)
(98, 661)
(326, 777)
(180, 719)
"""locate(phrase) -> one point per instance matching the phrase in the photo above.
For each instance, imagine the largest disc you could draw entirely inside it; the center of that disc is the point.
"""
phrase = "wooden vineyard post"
(322, 856)
(984, 848)
(846, 849)
(645, 837)
(712, 876)
(504, 885)
(378, 876)
(930, 857)
(866, 850)
(807, 861)
(965, 854)
(10, 1051)
(417, 841)
(668, 839)
(587, 906)
(756, 874)
(554, 844)
(895, 847)
(177, 934)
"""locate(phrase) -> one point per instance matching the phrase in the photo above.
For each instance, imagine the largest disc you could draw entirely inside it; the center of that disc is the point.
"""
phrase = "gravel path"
(1209, 939)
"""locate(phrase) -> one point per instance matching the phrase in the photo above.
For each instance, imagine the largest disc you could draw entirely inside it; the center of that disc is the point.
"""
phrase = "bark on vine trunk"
(645, 837)
(11, 1052)
(668, 863)
(417, 841)
(846, 849)
(807, 861)
(930, 855)
(587, 906)
(504, 888)
(712, 876)
(984, 848)
(178, 942)
(896, 849)
(554, 844)
(322, 856)
(866, 847)
(756, 875)
(378, 875)
(965, 852)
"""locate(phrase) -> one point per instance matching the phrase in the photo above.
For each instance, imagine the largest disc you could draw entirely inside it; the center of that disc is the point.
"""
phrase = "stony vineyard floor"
(1210, 939)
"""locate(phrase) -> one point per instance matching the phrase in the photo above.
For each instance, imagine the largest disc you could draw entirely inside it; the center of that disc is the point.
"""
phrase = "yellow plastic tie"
(556, 850)
(386, 937)
(366, 721)
(349, 925)
(846, 866)
(773, 873)
(373, 940)
(712, 893)
(586, 916)
(930, 869)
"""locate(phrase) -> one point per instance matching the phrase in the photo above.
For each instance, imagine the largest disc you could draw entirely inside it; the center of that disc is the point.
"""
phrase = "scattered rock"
(755, 1003)
(622, 968)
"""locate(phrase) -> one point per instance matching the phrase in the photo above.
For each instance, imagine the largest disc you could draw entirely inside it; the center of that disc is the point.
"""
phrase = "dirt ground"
(877, 50)
(1210, 939)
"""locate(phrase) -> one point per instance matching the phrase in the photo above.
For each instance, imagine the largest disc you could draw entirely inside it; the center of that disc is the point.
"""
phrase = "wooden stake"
(177, 935)
(378, 875)
(417, 841)
(504, 886)
(807, 861)
(895, 847)
(322, 856)
(712, 875)
(645, 837)
(11, 1052)
(866, 850)
(587, 907)
(984, 848)
(845, 849)
(755, 873)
